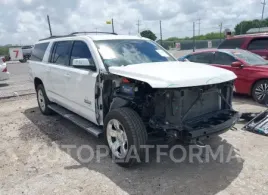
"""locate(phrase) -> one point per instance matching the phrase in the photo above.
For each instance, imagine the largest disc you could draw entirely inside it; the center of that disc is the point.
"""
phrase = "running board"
(78, 120)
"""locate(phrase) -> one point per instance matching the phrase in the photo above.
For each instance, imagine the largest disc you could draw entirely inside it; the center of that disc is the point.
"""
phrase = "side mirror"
(237, 64)
(83, 63)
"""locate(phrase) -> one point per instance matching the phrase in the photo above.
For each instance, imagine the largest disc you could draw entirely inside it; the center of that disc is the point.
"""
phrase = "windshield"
(231, 43)
(127, 52)
(250, 58)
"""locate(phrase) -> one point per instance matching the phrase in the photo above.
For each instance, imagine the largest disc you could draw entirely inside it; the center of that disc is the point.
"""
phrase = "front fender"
(119, 103)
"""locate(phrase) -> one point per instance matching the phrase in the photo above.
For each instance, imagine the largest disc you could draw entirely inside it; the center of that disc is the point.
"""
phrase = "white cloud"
(24, 21)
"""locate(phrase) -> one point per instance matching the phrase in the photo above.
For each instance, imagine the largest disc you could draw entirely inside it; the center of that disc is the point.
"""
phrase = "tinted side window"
(80, 50)
(201, 58)
(223, 58)
(258, 44)
(61, 52)
(39, 52)
(231, 43)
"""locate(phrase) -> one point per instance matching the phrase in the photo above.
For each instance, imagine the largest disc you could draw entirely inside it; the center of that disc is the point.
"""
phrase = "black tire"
(23, 60)
(135, 131)
(257, 88)
(43, 106)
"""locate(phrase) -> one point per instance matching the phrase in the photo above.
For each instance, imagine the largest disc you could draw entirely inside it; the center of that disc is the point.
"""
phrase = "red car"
(251, 69)
(256, 43)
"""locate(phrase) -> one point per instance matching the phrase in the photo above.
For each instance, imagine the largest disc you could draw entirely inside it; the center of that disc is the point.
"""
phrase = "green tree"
(148, 34)
(244, 26)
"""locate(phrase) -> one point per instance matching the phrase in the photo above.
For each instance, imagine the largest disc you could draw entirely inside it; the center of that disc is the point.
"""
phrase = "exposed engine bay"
(190, 113)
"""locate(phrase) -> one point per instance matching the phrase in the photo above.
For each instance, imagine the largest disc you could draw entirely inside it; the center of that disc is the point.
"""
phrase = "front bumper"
(4, 76)
(209, 125)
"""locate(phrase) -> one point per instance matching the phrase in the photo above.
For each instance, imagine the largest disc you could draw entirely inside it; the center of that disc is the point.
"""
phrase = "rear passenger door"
(58, 74)
(81, 83)
(259, 46)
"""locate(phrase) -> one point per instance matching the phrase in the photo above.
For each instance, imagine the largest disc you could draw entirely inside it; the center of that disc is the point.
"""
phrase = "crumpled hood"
(174, 74)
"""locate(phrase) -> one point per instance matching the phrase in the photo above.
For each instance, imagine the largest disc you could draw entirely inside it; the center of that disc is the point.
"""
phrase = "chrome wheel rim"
(41, 100)
(117, 138)
(261, 91)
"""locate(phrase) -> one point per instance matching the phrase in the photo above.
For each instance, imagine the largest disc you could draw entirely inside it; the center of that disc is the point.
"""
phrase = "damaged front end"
(195, 113)
(188, 114)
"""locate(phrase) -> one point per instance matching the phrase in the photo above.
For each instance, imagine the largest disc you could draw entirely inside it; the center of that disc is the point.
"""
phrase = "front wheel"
(125, 134)
(260, 91)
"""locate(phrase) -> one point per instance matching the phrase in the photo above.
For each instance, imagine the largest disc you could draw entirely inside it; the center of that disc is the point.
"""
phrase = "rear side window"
(80, 50)
(201, 58)
(223, 59)
(39, 52)
(231, 43)
(257, 44)
(60, 53)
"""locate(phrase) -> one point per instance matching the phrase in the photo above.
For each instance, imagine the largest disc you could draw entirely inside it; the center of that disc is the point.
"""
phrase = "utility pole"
(220, 31)
(199, 22)
(160, 33)
(113, 25)
(49, 26)
(138, 24)
(96, 31)
(263, 7)
(193, 36)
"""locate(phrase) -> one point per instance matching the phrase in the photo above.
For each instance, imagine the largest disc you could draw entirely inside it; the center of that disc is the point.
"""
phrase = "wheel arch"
(37, 81)
(254, 83)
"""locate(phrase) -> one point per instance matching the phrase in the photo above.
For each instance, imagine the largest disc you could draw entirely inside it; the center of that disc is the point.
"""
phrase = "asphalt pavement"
(19, 83)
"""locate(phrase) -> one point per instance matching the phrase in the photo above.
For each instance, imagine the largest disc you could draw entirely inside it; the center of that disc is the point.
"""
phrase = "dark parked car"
(256, 43)
(251, 69)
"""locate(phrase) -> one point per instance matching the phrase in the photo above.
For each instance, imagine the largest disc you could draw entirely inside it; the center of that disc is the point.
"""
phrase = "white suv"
(126, 87)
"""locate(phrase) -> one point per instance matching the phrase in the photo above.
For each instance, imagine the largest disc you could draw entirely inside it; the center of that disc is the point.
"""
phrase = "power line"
(199, 22)
(138, 24)
(160, 32)
(113, 25)
(263, 7)
(193, 36)
(220, 30)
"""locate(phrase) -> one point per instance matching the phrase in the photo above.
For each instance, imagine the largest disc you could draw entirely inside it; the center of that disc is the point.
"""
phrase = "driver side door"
(81, 82)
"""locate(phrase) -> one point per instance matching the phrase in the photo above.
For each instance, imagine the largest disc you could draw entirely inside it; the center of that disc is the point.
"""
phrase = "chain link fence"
(188, 44)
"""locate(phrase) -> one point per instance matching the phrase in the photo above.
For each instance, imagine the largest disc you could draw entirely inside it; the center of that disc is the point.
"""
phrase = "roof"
(257, 30)
(112, 37)
(222, 50)
(93, 36)
(249, 35)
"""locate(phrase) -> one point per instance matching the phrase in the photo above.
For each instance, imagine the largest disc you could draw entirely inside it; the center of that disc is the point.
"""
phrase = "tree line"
(240, 28)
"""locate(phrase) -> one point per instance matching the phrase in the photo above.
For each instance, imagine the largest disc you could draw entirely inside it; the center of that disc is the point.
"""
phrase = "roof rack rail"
(75, 33)
(54, 37)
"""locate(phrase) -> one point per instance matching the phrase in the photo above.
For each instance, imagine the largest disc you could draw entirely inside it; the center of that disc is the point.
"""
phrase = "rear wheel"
(125, 133)
(42, 100)
(260, 91)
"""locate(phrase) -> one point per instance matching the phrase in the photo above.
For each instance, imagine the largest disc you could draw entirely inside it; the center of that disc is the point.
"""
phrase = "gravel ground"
(33, 160)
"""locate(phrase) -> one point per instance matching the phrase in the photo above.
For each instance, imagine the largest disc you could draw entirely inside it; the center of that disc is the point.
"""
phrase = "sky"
(24, 21)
